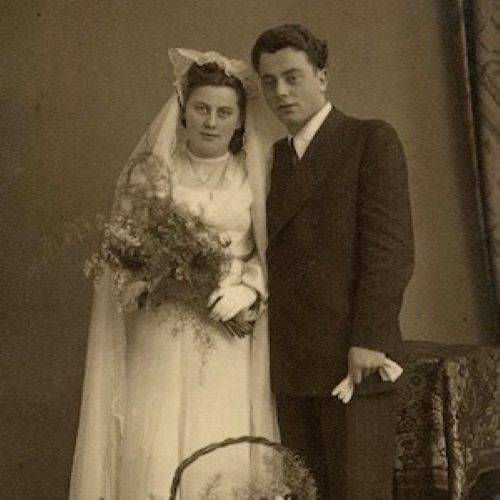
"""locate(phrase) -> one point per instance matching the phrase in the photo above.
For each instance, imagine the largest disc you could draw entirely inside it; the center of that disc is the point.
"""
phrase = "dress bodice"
(224, 207)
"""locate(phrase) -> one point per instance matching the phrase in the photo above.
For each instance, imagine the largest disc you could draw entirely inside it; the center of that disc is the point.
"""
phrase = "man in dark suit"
(340, 255)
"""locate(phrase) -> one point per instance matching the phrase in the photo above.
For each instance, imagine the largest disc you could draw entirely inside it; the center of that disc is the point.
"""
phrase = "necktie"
(293, 152)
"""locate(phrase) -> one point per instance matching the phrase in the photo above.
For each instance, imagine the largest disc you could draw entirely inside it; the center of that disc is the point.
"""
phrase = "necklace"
(211, 182)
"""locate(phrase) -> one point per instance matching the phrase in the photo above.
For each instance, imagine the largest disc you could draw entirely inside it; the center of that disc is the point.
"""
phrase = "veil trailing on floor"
(96, 459)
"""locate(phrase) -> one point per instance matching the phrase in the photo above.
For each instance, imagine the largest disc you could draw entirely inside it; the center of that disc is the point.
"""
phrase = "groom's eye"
(268, 83)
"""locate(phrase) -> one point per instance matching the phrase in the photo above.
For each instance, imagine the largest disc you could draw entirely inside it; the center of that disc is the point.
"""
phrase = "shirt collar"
(305, 135)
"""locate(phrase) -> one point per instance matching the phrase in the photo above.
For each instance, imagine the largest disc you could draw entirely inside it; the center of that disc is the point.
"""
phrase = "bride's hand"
(228, 301)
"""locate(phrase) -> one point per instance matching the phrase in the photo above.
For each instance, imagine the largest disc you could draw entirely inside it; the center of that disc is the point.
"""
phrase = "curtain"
(481, 32)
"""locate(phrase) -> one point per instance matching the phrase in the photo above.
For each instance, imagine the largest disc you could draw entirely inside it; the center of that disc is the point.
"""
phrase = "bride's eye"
(202, 109)
(225, 112)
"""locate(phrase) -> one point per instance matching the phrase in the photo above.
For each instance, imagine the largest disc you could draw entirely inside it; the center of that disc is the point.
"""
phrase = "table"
(448, 430)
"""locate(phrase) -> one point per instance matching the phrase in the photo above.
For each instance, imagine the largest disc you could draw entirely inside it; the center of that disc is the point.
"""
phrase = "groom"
(340, 256)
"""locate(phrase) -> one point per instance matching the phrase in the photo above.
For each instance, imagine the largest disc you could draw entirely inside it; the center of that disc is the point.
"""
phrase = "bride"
(155, 390)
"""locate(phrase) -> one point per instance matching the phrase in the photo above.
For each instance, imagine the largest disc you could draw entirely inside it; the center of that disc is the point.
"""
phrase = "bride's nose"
(210, 120)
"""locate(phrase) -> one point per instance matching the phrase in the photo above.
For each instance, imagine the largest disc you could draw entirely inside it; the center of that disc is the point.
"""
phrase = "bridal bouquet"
(158, 250)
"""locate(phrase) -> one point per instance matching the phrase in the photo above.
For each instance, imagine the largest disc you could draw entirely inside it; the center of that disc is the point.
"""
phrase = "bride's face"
(212, 115)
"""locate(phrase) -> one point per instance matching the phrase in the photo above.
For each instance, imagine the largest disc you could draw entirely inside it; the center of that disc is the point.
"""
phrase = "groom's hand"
(363, 362)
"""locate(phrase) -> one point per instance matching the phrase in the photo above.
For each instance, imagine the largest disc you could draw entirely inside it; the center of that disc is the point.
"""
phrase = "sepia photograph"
(251, 250)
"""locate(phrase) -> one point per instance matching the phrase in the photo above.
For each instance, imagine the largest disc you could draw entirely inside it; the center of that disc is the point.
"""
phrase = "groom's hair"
(292, 36)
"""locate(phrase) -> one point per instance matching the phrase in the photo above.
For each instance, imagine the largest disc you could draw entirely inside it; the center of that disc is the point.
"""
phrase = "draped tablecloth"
(448, 430)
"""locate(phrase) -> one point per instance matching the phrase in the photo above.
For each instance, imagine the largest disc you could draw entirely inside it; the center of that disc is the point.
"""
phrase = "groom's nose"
(281, 88)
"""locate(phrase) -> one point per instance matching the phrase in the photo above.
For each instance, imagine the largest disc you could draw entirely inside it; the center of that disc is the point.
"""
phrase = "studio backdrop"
(81, 80)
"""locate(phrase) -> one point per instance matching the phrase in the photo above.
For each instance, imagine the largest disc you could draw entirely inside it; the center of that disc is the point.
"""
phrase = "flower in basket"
(283, 474)
(289, 479)
(158, 250)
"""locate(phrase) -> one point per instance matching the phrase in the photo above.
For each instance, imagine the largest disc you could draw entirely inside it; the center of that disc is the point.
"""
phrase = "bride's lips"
(208, 136)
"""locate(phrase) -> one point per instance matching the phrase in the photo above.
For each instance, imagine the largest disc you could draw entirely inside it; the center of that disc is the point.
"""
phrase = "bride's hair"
(212, 74)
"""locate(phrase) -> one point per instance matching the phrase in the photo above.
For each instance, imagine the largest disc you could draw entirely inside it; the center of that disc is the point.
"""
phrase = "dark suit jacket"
(340, 254)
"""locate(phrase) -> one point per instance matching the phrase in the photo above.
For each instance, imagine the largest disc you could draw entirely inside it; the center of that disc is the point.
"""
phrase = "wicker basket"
(222, 444)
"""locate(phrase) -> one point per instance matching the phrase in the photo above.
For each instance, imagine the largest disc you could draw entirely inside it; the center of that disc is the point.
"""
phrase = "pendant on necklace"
(210, 186)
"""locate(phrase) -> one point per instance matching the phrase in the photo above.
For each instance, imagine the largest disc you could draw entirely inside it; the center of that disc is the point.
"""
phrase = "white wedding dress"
(182, 384)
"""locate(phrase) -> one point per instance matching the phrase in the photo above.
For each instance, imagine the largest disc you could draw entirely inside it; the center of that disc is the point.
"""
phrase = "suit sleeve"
(385, 249)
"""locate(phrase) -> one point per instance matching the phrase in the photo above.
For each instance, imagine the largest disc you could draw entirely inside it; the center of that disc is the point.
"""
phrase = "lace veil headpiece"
(161, 137)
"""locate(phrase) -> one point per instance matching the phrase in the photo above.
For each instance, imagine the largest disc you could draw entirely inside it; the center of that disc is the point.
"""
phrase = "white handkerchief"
(390, 371)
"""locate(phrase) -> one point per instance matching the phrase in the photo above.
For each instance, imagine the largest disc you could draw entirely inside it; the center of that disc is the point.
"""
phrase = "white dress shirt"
(306, 134)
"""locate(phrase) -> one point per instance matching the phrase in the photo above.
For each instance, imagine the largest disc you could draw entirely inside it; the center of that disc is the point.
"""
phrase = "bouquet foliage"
(158, 250)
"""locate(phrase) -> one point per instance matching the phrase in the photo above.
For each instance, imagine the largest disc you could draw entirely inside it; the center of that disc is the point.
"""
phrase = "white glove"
(389, 371)
(345, 389)
(228, 301)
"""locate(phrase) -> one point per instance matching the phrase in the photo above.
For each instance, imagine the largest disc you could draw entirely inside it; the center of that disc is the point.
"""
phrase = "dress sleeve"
(253, 277)
(251, 188)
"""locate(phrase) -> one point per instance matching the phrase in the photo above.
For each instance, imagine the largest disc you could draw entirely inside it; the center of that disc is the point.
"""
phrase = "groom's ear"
(322, 75)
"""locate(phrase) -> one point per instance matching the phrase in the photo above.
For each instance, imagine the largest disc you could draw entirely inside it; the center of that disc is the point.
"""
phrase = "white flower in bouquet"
(160, 251)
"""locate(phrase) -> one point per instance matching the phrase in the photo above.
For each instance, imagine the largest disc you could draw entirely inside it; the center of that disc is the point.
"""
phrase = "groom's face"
(293, 88)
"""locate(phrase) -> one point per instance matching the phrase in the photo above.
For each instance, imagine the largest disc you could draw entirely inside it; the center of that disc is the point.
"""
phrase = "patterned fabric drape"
(448, 427)
(482, 31)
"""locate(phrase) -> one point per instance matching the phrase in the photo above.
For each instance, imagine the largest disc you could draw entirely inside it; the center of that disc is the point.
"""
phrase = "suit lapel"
(306, 175)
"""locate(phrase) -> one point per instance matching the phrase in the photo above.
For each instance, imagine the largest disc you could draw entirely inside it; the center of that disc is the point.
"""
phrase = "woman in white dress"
(155, 390)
